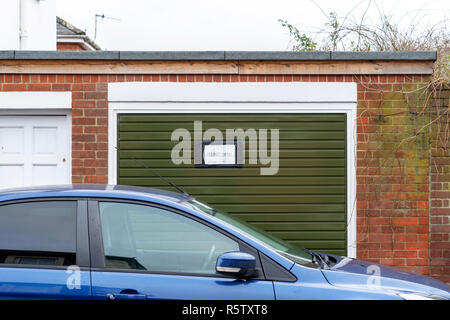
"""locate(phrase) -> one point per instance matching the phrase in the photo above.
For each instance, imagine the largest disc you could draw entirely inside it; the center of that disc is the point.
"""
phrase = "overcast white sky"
(222, 24)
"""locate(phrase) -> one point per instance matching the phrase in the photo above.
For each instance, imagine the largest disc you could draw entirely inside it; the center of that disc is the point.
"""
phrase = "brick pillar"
(440, 197)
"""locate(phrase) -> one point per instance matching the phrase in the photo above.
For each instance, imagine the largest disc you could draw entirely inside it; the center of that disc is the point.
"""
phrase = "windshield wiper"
(317, 258)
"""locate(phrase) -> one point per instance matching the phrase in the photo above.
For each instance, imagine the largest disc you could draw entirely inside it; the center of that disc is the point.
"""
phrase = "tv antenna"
(102, 16)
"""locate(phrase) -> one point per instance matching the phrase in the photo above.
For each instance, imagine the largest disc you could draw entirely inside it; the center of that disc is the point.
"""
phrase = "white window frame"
(240, 97)
(41, 103)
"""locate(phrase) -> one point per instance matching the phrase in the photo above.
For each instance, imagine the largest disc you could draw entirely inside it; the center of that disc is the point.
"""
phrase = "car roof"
(92, 190)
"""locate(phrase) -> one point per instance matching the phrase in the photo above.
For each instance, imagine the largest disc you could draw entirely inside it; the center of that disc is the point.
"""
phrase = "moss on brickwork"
(399, 143)
(405, 173)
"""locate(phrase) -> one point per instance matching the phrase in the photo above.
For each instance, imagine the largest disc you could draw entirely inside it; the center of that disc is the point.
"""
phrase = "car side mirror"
(236, 263)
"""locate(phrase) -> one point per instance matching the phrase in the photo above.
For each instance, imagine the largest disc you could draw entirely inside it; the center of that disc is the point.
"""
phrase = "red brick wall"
(393, 216)
(439, 215)
(440, 197)
(392, 176)
(66, 46)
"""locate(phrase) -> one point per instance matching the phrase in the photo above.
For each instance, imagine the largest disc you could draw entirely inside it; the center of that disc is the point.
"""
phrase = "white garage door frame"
(240, 97)
(41, 103)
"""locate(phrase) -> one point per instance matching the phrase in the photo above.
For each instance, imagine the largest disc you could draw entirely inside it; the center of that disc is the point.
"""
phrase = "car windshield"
(285, 249)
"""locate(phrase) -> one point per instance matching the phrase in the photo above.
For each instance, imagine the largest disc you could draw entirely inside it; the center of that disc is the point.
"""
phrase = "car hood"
(355, 272)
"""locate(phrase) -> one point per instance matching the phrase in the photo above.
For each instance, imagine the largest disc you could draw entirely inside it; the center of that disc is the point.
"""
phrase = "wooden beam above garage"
(336, 67)
(216, 67)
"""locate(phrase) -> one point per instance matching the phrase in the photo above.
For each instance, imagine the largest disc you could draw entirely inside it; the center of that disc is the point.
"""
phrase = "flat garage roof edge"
(218, 55)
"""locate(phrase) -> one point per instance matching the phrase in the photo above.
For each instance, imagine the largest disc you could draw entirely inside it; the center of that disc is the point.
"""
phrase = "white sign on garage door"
(34, 150)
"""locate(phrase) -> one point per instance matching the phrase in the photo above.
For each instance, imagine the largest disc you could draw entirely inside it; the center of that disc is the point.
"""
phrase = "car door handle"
(127, 296)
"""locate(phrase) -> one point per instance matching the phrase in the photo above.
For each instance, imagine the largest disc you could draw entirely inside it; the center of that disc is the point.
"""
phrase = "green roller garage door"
(304, 203)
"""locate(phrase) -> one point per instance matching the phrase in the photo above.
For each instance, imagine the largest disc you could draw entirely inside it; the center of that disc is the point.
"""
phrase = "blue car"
(117, 242)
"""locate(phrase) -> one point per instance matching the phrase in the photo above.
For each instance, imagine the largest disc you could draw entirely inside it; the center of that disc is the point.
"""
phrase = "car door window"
(149, 238)
(39, 233)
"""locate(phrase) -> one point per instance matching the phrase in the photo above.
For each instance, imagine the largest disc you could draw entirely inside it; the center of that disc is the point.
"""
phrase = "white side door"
(34, 150)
